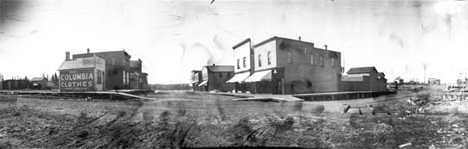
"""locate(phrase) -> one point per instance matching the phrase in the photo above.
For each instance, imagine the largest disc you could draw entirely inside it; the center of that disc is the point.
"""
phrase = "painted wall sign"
(77, 80)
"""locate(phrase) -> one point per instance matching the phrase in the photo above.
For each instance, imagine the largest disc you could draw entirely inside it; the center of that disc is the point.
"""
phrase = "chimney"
(299, 38)
(67, 56)
(88, 50)
(326, 47)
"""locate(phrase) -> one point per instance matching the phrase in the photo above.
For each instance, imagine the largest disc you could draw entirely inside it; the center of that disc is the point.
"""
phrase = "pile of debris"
(418, 101)
(362, 109)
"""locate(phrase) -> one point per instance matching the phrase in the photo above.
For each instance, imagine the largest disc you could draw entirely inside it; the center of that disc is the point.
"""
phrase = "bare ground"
(178, 120)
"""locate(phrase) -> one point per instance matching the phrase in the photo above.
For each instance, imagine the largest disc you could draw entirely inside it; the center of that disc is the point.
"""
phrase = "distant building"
(14, 84)
(82, 74)
(138, 79)
(1, 81)
(215, 77)
(39, 83)
(286, 66)
(399, 80)
(197, 79)
(364, 79)
(461, 82)
(121, 72)
(434, 81)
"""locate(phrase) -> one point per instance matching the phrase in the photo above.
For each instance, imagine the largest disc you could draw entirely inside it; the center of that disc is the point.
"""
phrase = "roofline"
(265, 41)
(125, 53)
(363, 67)
(232, 66)
(241, 43)
(219, 65)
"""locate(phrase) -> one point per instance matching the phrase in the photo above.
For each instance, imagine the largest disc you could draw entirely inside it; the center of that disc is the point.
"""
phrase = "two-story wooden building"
(82, 74)
(286, 66)
(244, 65)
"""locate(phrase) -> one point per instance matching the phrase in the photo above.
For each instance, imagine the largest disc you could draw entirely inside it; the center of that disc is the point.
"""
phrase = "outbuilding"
(364, 79)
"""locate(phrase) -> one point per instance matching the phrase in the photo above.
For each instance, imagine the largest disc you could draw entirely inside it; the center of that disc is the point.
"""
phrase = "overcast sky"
(174, 37)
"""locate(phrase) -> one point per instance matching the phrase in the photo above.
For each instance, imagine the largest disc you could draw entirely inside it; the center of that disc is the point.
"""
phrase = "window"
(124, 79)
(238, 63)
(99, 77)
(245, 61)
(333, 62)
(128, 78)
(259, 60)
(220, 75)
(228, 75)
(321, 60)
(311, 59)
(289, 57)
(269, 57)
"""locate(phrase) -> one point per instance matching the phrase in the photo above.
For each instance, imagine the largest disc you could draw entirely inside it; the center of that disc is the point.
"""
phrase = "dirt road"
(185, 119)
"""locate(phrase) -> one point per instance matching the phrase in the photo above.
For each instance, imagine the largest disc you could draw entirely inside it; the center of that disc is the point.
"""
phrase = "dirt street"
(187, 119)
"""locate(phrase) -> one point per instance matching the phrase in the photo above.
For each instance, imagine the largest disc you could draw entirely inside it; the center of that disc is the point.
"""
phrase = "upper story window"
(245, 61)
(228, 75)
(259, 60)
(321, 60)
(289, 57)
(220, 75)
(311, 59)
(238, 63)
(333, 62)
(269, 57)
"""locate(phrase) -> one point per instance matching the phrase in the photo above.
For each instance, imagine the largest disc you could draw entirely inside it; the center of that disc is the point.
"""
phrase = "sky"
(172, 38)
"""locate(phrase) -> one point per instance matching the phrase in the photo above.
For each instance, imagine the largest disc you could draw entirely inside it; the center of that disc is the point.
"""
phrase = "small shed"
(39, 83)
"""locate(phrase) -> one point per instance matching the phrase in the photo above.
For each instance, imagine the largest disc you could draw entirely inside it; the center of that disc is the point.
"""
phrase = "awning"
(239, 77)
(203, 83)
(260, 76)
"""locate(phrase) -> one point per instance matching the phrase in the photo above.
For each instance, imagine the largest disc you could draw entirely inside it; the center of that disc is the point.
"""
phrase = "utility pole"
(424, 65)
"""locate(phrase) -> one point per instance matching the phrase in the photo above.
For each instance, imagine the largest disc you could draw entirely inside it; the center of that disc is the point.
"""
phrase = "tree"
(56, 80)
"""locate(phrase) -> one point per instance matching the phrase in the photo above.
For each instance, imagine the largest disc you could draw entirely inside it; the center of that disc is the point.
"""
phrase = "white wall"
(263, 51)
(239, 53)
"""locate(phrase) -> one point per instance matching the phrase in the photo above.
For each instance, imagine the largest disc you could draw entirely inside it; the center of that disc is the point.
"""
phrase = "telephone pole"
(424, 65)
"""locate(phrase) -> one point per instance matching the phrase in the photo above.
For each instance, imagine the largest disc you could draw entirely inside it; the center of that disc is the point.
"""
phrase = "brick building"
(119, 68)
(286, 66)
(364, 79)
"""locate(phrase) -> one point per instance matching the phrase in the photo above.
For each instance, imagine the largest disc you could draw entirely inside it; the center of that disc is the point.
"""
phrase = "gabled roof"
(358, 70)
(220, 68)
(38, 79)
(87, 62)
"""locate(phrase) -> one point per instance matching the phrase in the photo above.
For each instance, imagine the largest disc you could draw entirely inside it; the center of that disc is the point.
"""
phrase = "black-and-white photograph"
(233, 74)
